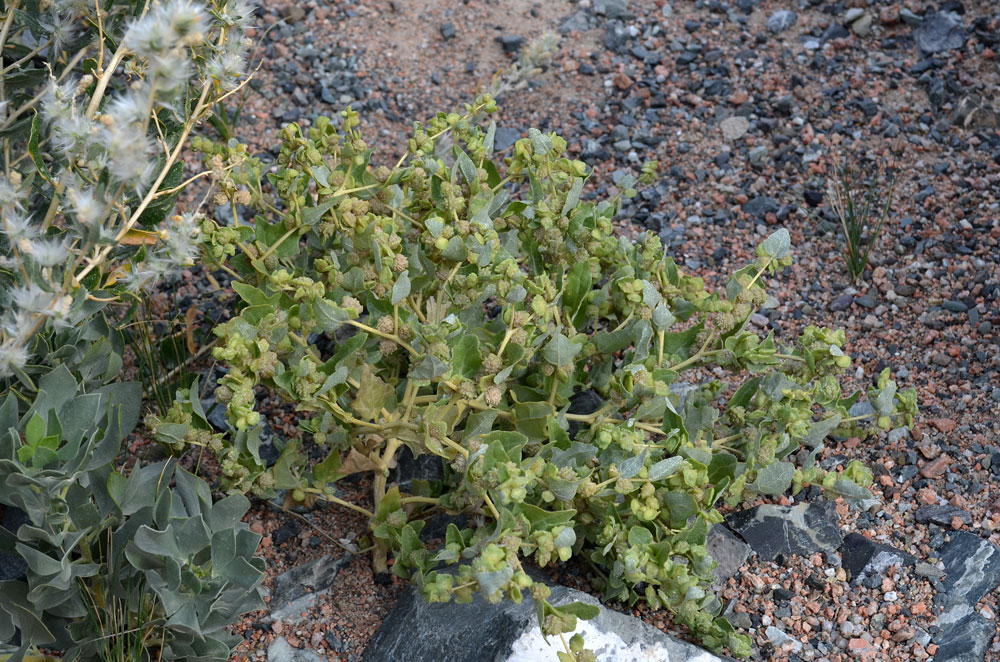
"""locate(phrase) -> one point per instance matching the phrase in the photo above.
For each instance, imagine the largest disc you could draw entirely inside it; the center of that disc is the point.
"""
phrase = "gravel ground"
(749, 111)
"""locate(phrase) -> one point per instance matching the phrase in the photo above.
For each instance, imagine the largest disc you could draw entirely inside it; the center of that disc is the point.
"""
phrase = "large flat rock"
(802, 530)
(972, 567)
(481, 632)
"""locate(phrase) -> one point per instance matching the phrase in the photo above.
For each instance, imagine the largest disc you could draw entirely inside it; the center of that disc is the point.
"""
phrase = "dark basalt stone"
(781, 530)
(862, 558)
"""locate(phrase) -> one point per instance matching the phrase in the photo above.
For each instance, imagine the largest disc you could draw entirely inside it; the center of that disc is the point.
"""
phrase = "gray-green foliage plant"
(458, 305)
(97, 101)
(130, 567)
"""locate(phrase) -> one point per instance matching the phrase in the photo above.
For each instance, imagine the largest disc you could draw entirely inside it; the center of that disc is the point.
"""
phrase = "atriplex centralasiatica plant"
(583, 395)
(862, 208)
(96, 106)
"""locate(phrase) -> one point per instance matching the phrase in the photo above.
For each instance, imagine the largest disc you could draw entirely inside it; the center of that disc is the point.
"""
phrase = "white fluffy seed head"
(47, 252)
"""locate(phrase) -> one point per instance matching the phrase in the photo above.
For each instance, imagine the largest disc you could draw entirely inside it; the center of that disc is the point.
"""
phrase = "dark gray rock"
(841, 303)
(507, 632)
(802, 530)
(447, 31)
(941, 515)
(781, 20)
(613, 9)
(963, 635)
(578, 20)
(511, 43)
(862, 558)
(939, 32)
(728, 551)
(505, 137)
(296, 590)
(12, 566)
(425, 467)
(972, 565)
(760, 206)
(584, 402)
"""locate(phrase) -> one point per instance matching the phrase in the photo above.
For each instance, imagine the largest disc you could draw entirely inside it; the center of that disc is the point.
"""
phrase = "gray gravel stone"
(841, 303)
(781, 20)
(297, 589)
(939, 32)
(728, 551)
(734, 128)
(942, 515)
(282, 651)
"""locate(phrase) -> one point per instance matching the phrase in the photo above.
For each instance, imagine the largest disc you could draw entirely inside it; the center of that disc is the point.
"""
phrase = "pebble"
(781, 20)
(734, 128)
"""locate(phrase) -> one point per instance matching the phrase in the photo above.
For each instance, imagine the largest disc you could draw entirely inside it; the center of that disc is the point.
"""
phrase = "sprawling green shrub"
(471, 310)
(135, 563)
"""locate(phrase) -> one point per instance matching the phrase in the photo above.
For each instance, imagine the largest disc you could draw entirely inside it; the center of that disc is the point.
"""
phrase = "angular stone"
(972, 565)
(942, 515)
(507, 632)
(939, 32)
(801, 530)
(862, 558)
(728, 551)
(734, 128)
(760, 206)
(781, 20)
(282, 651)
(964, 636)
(426, 466)
(297, 589)
(505, 138)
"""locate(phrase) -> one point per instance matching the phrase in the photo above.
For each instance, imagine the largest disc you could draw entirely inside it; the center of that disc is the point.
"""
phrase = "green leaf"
(777, 245)
(401, 288)
(466, 359)
(573, 197)
(326, 471)
(429, 369)
(373, 394)
(254, 296)
(578, 285)
(639, 536)
(34, 152)
(560, 350)
(581, 610)
(609, 342)
(34, 430)
(665, 468)
(466, 166)
(745, 393)
(820, 429)
(681, 506)
(774, 479)
(491, 582)
(329, 316)
(488, 140)
(546, 520)
(663, 319)
(632, 465)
